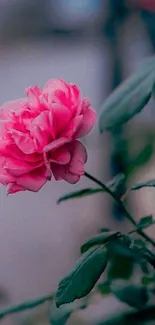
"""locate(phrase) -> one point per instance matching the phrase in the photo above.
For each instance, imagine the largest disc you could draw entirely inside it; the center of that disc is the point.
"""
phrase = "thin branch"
(120, 203)
(25, 305)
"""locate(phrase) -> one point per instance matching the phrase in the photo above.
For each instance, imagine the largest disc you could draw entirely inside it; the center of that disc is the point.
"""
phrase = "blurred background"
(95, 44)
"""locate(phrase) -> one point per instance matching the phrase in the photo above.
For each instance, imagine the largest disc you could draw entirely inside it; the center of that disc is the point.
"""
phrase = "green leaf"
(104, 229)
(146, 281)
(145, 316)
(81, 193)
(116, 182)
(125, 240)
(120, 267)
(141, 157)
(100, 239)
(145, 222)
(59, 316)
(104, 288)
(138, 186)
(83, 277)
(122, 259)
(112, 184)
(129, 98)
(134, 296)
(140, 245)
(120, 248)
(139, 242)
(144, 267)
(151, 260)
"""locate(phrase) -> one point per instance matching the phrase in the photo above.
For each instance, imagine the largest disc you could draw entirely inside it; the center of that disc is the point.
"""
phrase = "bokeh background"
(95, 44)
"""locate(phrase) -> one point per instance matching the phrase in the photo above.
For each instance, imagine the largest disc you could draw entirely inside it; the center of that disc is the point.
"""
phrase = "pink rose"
(38, 136)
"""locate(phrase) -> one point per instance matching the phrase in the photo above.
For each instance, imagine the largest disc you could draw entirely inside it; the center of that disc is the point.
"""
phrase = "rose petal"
(73, 127)
(44, 122)
(56, 171)
(4, 125)
(78, 158)
(9, 148)
(33, 94)
(4, 145)
(5, 178)
(17, 168)
(60, 92)
(12, 106)
(89, 119)
(75, 100)
(55, 84)
(61, 172)
(56, 144)
(61, 156)
(33, 181)
(56, 91)
(41, 130)
(14, 188)
(75, 168)
(23, 141)
(61, 117)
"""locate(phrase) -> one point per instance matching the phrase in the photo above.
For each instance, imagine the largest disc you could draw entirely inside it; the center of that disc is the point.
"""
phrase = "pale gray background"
(39, 241)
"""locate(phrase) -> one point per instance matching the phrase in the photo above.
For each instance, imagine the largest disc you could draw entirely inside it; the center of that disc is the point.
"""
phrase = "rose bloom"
(38, 136)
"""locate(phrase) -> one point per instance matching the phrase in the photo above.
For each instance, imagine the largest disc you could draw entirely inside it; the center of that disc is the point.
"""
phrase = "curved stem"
(128, 215)
(25, 305)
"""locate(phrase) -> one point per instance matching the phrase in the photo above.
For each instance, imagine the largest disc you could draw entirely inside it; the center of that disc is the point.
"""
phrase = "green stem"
(136, 229)
(25, 305)
(128, 215)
